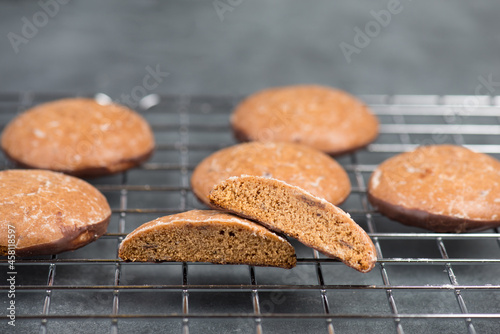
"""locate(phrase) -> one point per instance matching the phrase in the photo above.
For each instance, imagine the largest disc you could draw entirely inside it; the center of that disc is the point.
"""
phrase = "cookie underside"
(298, 214)
(429, 221)
(214, 242)
(110, 169)
(72, 240)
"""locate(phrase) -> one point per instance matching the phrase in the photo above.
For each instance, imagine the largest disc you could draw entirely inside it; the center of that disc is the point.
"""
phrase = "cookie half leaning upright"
(295, 164)
(78, 136)
(298, 214)
(45, 212)
(324, 118)
(207, 236)
(442, 188)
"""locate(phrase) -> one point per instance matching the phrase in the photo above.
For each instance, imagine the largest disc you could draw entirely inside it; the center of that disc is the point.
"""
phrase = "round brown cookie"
(43, 212)
(298, 214)
(443, 188)
(207, 236)
(327, 119)
(78, 136)
(295, 164)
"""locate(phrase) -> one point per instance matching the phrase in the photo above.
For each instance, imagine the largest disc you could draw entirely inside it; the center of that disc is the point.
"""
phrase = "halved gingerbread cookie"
(327, 119)
(207, 236)
(295, 164)
(442, 188)
(43, 212)
(298, 214)
(78, 136)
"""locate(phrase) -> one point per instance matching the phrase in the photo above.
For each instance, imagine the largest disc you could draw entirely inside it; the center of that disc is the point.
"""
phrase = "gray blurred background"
(227, 47)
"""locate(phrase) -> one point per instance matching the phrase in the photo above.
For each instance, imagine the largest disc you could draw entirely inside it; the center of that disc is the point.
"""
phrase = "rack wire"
(423, 283)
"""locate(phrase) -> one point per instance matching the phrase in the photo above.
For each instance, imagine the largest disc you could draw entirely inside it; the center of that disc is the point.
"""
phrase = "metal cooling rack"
(423, 282)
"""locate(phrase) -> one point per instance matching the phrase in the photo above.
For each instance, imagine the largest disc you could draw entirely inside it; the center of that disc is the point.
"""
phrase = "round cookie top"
(295, 164)
(78, 136)
(327, 119)
(435, 182)
(50, 212)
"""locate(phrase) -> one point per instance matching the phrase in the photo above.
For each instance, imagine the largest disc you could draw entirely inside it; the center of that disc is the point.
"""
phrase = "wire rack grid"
(423, 282)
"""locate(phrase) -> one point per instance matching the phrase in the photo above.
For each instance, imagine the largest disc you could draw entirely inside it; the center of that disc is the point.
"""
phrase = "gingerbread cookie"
(78, 136)
(327, 119)
(295, 164)
(295, 212)
(43, 212)
(207, 236)
(442, 188)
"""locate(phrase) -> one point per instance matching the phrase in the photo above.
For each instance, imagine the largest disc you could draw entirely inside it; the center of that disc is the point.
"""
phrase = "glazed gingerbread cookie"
(295, 164)
(207, 236)
(442, 188)
(324, 118)
(48, 212)
(295, 212)
(78, 136)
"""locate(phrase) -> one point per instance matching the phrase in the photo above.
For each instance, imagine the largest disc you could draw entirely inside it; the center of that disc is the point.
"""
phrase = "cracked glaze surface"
(294, 164)
(47, 207)
(77, 134)
(443, 180)
(327, 119)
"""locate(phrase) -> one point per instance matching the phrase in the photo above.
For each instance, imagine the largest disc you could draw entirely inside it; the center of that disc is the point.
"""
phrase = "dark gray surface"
(94, 45)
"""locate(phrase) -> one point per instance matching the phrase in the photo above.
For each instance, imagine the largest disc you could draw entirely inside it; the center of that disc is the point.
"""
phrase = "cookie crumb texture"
(51, 212)
(327, 119)
(294, 164)
(443, 188)
(78, 136)
(207, 236)
(298, 214)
